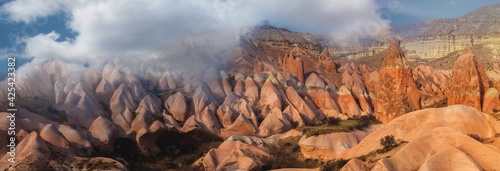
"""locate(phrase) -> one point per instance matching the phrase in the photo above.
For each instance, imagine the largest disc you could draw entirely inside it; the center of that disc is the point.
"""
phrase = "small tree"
(388, 141)
(333, 120)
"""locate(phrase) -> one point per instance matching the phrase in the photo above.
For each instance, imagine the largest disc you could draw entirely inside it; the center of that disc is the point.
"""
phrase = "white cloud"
(138, 26)
(29, 10)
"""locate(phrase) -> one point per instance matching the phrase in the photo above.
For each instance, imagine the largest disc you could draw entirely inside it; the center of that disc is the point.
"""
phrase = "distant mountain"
(487, 11)
(484, 20)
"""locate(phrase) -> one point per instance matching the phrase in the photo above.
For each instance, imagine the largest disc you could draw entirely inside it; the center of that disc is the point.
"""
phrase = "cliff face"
(425, 47)
(440, 46)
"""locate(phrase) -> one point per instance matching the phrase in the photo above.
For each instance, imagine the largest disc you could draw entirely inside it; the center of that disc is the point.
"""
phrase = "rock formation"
(429, 148)
(31, 154)
(330, 146)
(491, 103)
(468, 82)
(330, 66)
(241, 126)
(274, 123)
(239, 88)
(347, 103)
(306, 112)
(51, 135)
(104, 131)
(295, 66)
(232, 107)
(414, 125)
(449, 159)
(203, 121)
(178, 107)
(314, 83)
(270, 96)
(234, 155)
(251, 91)
(325, 55)
(166, 83)
(151, 104)
(397, 92)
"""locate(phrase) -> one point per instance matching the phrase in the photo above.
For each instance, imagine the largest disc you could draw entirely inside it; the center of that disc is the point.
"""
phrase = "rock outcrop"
(468, 82)
(76, 138)
(330, 146)
(122, 105)
(234, 155)
(355, 165)
(166, 83)
(491, 103)
(270, 96)
(241, 126)
(251, 91)
(315, 83)
(239, 88)
(347, 103)
(326, 59)
(31, 154)
(104, 131)
(151, 104)
(397, 93)
(177, 105)
(202, 97)
(232, 107)
(295, 66)
(51, 135)
(204, 121)
(82, 106)
(459, 150)
(450, 159)
(274, 123)
(306, 112)
(411, 126)
(293, 115)
(327, 104)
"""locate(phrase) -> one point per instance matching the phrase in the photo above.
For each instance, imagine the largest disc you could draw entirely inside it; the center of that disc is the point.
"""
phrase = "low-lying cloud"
(138, 26)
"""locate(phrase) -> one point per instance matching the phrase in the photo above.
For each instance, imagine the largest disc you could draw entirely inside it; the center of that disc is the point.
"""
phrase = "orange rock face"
(239, 88)
(347, 102)
(295, 66)
(491, 103)
(330, 66)
(468, 81)
(326, 60)
(397, 92)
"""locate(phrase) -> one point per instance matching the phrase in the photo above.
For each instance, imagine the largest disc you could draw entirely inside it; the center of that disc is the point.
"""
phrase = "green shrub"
(388, 141)
(332, 120)
(336, 125)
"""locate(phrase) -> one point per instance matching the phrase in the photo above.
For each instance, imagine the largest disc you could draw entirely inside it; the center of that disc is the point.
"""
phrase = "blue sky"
(83, 30)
